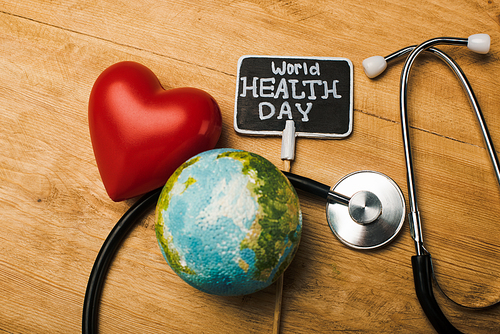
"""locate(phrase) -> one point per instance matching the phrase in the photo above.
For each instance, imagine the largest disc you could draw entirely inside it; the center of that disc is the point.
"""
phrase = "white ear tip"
(479, 43)
(374, 66)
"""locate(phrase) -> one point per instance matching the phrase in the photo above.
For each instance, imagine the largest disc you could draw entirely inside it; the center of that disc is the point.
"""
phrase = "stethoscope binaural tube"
(414, 217)
(374, 66)
(422, 262)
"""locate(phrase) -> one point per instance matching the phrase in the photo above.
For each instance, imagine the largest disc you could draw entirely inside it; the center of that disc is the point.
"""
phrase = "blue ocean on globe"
(228, 222)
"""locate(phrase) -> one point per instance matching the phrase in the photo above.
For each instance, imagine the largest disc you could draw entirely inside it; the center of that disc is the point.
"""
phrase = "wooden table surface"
(55, 213)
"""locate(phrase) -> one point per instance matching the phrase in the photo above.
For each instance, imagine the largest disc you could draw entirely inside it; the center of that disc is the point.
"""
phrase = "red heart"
(141, 133)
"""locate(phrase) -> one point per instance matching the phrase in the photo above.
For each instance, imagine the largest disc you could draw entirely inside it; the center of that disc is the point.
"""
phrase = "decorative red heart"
(141, 133)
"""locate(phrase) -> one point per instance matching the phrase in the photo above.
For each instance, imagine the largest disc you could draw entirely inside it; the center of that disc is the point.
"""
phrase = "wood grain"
(55, 214)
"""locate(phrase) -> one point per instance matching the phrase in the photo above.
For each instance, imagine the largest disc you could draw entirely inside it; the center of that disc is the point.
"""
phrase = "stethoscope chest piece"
(375, 213)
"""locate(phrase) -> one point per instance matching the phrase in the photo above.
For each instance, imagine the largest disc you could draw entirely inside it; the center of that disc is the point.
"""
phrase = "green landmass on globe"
(228, 222)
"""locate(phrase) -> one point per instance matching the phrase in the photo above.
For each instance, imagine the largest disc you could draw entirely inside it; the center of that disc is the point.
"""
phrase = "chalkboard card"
(315, 92)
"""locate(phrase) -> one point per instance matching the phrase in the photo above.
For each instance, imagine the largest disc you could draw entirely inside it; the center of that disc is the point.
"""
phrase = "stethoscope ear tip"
(479, 43)
(374, 66)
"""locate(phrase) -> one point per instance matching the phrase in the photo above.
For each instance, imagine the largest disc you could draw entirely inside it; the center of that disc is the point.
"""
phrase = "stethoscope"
(422, 262)
(365, 209)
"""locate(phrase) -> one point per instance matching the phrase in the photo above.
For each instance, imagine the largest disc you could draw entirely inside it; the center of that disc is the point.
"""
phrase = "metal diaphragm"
(375, 214)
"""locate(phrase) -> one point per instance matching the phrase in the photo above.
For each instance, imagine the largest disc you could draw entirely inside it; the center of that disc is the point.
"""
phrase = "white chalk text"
(292, 93)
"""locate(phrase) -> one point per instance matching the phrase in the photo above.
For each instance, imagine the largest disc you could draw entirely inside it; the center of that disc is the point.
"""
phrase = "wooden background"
(55, 214)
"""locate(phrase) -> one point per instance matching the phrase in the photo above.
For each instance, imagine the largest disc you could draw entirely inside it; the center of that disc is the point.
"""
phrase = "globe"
(228, 222)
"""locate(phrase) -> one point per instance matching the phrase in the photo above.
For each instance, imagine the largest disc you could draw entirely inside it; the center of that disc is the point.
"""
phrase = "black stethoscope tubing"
(105, 256)
(127, 222)
(423, 272)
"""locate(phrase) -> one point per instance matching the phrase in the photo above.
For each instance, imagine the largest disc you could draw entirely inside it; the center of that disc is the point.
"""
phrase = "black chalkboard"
(316, 92)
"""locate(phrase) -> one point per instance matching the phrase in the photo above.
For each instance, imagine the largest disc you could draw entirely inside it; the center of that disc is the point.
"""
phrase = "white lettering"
(253, 88)
(297, 68)
(311, 83)
(333, 90)
(304, 113)
(282, 88)
(278, 70)
(261, 110)
(294, 90)
(263, 88)
(314, 70)
(285, 109)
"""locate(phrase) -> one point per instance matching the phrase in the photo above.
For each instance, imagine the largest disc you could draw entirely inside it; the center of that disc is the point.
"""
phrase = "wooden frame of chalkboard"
(315, 92)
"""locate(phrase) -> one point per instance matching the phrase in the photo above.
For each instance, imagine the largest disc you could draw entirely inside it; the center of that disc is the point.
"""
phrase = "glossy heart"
(141, 133)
